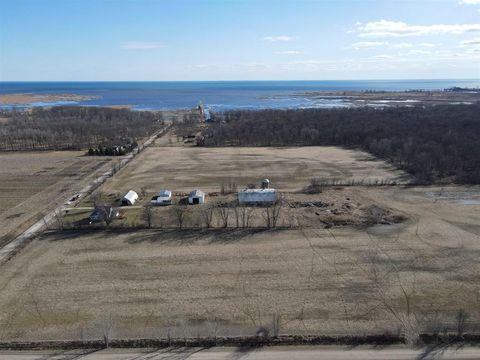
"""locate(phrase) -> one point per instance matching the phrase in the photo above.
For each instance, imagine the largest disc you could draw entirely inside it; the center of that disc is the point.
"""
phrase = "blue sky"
(67, 40)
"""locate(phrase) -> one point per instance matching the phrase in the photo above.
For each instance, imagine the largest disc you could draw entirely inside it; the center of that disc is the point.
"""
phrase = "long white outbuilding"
(257, 196)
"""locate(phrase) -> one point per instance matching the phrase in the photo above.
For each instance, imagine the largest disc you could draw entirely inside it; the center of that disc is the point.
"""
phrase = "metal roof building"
(164, 198)
(196, 197)
(257, 196)
(130, 198)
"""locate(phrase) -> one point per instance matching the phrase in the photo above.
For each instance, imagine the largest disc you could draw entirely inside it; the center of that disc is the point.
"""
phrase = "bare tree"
(315, 186)
(390, 279)
(236, 213)
(224, 213)
(460, 321)
(243, 215)
(276, 321)
(65, 128)
(179, 212)
(228, 188)
(105, 213)
(213, 325)
(105, 324)
(207, 215)
(148, 215)
(272, 214)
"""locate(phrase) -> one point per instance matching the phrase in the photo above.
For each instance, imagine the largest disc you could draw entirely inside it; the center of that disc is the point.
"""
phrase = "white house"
(196, 197)
(164, 198)
(257, 196)
(130, 198)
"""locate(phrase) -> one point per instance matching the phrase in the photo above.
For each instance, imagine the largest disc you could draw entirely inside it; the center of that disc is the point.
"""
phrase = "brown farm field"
(342, 280)
(329, 273)
(183, 168)
(32, 183)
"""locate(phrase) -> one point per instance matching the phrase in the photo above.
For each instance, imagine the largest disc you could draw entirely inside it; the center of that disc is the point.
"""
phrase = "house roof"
(258, 191)
(197, 192)
(131, 195)
(165, 193)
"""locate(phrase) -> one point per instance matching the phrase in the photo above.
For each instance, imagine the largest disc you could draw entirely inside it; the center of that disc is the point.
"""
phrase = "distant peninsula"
(28, 98)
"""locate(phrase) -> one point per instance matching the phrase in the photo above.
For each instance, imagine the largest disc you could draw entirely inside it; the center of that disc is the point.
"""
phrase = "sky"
(165, 40)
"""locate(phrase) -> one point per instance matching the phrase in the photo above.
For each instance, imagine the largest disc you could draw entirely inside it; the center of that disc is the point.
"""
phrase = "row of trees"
(74, 128)
(434, 143)
(221, 215)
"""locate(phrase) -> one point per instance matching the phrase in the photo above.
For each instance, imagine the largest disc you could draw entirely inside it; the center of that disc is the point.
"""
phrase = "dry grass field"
(32, 183)
(183, 168)
(343, 280)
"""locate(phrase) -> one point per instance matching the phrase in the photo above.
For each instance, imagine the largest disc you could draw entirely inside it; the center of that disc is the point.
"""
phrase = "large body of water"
(217, 95)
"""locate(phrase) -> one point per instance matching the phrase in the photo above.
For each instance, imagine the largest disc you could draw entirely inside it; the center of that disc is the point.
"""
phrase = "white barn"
(130, 198)
(164, 198)
(257, 196)
(196, 197)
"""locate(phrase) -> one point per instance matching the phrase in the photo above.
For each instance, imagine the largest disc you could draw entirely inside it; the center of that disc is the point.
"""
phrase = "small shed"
(130, 198)
(257, 196)
(164, 198)
(196, 197)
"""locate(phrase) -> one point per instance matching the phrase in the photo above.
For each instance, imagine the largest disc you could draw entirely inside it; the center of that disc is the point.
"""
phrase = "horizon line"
(237, 80)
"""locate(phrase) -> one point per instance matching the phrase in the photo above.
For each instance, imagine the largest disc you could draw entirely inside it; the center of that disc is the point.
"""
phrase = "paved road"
(267, 353)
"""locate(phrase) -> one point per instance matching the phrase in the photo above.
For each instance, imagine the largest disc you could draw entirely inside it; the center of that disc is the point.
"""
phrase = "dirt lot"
(344, 280)
(31, 183)
(183, 168)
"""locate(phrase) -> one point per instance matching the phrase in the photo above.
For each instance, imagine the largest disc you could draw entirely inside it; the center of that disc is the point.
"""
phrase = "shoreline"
(312, 99)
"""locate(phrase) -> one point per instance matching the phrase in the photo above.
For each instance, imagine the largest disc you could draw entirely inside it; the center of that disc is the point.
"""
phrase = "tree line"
(436, 144)
(74, 128)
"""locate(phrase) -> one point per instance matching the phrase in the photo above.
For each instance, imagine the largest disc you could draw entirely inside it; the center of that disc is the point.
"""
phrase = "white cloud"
(409, 60)
(385, 28)
(402, 46)
(288, 52)
(472, 46)
(474, 42)
(142, 45)
(376, 44)
(368, 44)
(277, 38)
(416, 52)
(469, 2)
(475, 50)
